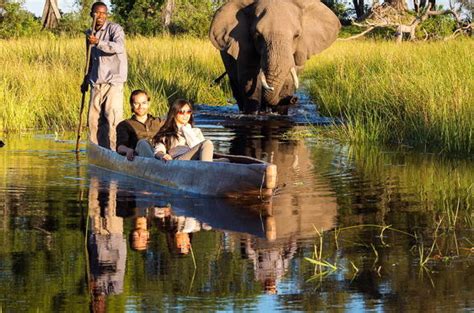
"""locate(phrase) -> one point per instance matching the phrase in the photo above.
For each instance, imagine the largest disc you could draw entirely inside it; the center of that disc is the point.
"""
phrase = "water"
(142, 243)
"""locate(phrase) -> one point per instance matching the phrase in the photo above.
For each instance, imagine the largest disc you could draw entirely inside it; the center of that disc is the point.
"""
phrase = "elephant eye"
(296, 35)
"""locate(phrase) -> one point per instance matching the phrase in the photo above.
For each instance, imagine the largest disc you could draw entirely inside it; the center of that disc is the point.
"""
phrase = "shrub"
(196, 23)
(16, 21)
(436, 27)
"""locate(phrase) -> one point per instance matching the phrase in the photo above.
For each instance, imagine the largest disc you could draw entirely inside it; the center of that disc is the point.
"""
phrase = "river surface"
(349, 229)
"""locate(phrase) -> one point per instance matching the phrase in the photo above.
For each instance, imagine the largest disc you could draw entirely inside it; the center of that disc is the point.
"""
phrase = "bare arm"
(129, 152)
(160, 152)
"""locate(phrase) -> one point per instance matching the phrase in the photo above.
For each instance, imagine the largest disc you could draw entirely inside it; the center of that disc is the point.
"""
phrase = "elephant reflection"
(304, 200)
(264, 43)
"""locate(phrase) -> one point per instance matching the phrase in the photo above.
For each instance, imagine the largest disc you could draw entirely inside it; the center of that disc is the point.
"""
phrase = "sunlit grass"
(40, 78)
(418, 94)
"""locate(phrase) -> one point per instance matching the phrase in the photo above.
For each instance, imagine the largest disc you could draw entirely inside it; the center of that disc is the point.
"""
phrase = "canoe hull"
(219, 179)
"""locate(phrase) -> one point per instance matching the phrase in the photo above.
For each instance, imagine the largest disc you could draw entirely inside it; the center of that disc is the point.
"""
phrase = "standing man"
(107, 74)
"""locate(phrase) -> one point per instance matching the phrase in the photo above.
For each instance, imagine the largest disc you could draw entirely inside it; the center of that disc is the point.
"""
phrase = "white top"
(188, 137)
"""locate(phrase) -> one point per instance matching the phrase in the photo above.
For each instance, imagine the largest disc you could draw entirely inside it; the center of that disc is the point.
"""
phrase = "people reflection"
(106, 244)
(271, 259)
(179, 230)
(140, 234)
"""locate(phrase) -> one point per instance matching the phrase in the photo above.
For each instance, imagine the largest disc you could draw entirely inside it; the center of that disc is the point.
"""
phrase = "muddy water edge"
(349, 228)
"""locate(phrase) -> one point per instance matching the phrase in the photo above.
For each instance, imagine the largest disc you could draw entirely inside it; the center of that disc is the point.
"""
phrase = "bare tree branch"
(358, 35)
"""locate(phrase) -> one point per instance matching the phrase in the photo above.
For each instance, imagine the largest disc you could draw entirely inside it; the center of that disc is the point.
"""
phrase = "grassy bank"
(40, 78)
(419, 94)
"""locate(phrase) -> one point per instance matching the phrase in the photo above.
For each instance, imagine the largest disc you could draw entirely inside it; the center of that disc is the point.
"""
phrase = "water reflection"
(304, 199)
(178, 230)
(106, 243)
(148, 250)
(271, 259)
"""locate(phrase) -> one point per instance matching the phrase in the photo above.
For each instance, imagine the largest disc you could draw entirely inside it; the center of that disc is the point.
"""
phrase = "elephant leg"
(231, 68)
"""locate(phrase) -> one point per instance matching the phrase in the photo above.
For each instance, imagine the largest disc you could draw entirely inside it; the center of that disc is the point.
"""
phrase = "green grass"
(40, 78)
(418, 94)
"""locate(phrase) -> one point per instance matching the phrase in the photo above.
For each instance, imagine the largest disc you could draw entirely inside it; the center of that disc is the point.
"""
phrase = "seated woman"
(178, 139)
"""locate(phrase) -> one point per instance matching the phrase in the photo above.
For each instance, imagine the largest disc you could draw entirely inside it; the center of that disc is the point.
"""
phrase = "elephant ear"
(320, 27)
(230, 27)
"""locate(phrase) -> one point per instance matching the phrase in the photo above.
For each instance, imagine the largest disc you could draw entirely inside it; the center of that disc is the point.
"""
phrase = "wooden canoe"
(241, 176)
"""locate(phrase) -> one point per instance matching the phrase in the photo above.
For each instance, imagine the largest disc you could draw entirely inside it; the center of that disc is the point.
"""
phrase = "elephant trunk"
(275, 80)
(278, 66)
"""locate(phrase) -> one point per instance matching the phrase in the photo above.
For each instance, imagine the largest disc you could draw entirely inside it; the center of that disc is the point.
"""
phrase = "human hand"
(130, 154)
(93, 40)
(167, 157)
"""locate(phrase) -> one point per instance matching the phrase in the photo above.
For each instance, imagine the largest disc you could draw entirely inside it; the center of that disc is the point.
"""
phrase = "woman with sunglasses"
(178, 139)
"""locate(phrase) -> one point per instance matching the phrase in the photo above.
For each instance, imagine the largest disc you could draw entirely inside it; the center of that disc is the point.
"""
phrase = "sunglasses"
(182, 112)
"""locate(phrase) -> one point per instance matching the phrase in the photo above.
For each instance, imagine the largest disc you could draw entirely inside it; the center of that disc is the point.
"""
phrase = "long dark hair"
(169, 129)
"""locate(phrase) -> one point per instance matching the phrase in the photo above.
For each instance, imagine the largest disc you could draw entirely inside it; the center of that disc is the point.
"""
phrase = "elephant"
(264, 44)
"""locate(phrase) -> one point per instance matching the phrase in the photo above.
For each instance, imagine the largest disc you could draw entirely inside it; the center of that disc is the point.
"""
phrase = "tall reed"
(412, 93)
(40, 78)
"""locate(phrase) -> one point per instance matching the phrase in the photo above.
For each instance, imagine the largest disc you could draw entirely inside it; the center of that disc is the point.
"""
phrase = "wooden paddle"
(86, 72)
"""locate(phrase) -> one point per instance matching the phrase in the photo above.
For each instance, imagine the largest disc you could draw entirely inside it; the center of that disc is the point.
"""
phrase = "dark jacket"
(130, 131)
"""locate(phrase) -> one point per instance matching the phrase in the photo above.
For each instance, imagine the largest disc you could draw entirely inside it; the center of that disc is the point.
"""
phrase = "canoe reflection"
(167, 227)
(304, 200)
(117, 203)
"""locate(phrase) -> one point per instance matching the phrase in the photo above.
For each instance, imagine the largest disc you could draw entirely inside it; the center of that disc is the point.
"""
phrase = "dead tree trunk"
(51, 14)
(168, 9)
(359, 8)
(419, 5)
(399, 5)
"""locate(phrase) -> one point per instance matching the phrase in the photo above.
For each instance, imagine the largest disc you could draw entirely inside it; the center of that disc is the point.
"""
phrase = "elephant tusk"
(295, 77)
(265, 84)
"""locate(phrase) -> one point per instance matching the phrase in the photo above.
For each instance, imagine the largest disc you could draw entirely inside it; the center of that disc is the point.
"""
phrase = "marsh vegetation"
(39, 83)
(415, 94)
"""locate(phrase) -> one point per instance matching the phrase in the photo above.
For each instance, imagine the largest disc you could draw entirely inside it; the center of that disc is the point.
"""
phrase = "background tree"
(51, 14)
(152, 17)
(359, 8)
(168, 9)
(139, 16)
(192, 17)
(74, 23)
(399, 5)
(15, 21)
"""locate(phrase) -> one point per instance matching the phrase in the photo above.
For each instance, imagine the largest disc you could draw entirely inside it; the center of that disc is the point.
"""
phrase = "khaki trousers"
(105, 112)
